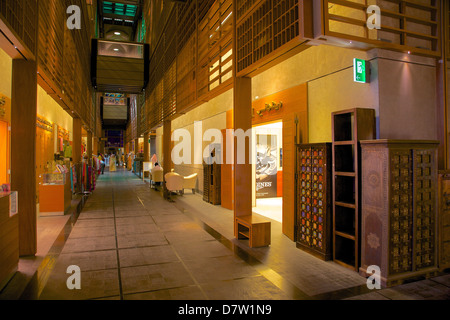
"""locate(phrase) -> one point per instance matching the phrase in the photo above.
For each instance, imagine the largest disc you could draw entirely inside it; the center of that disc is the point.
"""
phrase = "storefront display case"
(55, 194)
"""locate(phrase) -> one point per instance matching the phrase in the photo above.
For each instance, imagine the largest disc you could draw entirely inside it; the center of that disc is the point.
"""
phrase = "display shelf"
(345, 220)
(344, 249)
(345, 158)
(348, 128)
(345, 189)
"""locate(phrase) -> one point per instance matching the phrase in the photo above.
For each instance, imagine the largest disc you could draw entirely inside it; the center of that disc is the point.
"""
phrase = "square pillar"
(167, 152)
(136, 146)
(242, 119)
(89, 145)
(146, 148)
(23, 150)
(76, 149)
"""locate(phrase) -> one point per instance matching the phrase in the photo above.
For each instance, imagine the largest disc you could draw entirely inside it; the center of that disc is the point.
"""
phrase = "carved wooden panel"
(206, 183)
(425, 183)
(399, 210)
(444, 220)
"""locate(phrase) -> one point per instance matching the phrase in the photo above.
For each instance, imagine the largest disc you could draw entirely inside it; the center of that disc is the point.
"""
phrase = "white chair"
(157, 176)
(190, 182)
(174, 182)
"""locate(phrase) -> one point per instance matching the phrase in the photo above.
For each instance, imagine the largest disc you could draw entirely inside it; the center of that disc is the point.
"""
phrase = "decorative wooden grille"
(21, 15)
(263, 27)
(405, 24)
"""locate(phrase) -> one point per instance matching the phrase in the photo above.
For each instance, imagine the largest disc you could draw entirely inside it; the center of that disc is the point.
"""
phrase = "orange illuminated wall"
(4, 152)
(294, 104)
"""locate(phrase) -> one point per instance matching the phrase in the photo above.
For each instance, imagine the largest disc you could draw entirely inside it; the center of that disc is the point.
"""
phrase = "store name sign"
(269, 107)
(361, 70)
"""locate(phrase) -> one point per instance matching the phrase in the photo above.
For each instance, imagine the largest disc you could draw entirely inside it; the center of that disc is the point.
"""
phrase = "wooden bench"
(254, 228)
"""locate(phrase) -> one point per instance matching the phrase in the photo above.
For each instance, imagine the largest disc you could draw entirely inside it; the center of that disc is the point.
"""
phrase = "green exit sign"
(361, 70)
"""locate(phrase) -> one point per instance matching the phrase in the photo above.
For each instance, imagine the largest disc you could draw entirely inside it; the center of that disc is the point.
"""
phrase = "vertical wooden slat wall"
(64, 59)
(193, 58)
(194, 62)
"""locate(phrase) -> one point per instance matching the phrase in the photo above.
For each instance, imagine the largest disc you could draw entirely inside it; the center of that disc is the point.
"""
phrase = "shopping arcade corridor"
(130, 243)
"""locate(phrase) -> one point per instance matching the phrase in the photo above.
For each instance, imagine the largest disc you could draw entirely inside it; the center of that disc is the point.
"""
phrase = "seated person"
(157, 167)
(157, 181)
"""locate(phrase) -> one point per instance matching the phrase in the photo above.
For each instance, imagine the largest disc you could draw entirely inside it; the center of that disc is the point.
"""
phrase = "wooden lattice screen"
(406, 25)
(21, 15)
(264, 27)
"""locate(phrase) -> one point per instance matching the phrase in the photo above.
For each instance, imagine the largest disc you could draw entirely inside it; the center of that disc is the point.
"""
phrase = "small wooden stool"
(254, 228)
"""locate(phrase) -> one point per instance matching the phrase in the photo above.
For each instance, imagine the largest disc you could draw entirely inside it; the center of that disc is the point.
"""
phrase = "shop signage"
(360, 70)
(269, 107)
(44, 124)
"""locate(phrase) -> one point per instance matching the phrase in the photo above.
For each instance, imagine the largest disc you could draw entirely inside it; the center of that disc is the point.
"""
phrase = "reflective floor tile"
(146, 256)
(154, 277)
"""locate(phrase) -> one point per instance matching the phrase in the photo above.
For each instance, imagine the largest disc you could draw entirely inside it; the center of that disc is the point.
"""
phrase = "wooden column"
(89, 145)
(442, 93)
(76, 148)
(23, 150)
(146, 151)
(136, 146)
(242, 119)
(95, 148)
(146, 148)
(167, 151)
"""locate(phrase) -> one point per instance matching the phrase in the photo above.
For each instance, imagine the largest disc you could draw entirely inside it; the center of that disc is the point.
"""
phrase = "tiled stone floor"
(131, 244)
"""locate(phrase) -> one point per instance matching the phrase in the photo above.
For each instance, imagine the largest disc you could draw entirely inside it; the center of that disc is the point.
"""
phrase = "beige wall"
(407, 96)
(48, 108)
(402, 90)
(6, 73)
(328, 71)
(212, 114)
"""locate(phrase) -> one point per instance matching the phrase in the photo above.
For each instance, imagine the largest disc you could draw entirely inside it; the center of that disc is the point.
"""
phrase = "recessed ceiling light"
(116, 49)
(117, 33)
